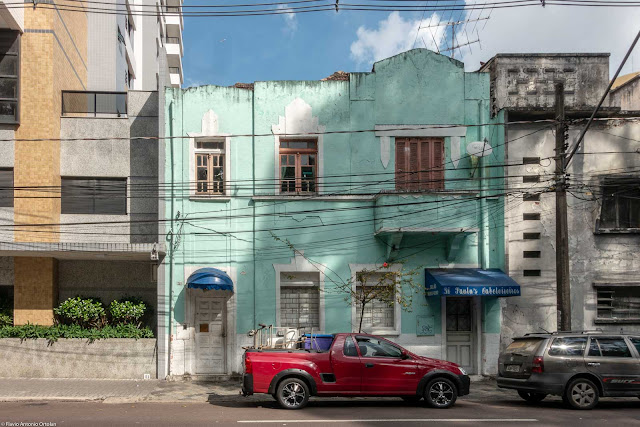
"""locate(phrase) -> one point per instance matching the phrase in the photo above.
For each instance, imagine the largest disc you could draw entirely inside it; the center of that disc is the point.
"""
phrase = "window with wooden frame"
(210, 167)
(419, 164)
(298, 165)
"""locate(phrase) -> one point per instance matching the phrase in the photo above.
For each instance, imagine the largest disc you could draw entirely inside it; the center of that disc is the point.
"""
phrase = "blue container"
(319, 342)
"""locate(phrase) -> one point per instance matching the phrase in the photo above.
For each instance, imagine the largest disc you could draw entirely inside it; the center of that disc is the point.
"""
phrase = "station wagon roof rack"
(586, 331)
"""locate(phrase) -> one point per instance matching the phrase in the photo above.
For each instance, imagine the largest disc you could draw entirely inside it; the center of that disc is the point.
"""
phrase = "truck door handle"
(593, 364)
(368, 365)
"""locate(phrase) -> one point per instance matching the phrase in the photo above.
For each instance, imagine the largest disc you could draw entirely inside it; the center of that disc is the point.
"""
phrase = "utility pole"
(563, 290)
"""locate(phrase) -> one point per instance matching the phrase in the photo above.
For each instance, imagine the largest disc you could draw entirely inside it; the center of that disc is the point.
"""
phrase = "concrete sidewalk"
(130, 391)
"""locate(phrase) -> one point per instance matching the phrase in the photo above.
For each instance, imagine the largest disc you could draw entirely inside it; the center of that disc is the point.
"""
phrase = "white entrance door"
(460, 332)
(210, 320)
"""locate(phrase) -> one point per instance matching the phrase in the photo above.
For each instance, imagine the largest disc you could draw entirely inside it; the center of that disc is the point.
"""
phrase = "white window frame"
(397, 318)
(299, 264)
(209, 133)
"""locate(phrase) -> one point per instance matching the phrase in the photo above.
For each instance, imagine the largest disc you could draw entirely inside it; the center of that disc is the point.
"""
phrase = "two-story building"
(280, 194)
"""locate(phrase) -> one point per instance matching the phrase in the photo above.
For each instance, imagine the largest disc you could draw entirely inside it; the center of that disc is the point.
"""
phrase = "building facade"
(296, 190)
(79, 173)
(603, 191)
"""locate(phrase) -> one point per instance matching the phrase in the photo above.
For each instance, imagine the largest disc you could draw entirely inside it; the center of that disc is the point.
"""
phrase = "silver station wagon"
(579, 366)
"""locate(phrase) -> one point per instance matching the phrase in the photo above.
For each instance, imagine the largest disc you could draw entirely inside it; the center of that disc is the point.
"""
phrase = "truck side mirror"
(405, 355)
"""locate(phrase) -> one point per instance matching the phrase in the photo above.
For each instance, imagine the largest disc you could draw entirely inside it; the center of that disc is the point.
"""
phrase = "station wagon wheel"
(581, 393)
(440, 393)
(292, 393)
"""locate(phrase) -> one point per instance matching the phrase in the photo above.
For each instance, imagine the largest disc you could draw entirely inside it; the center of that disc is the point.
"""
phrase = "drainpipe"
(484, 213)
(253, 179)
(171, 228)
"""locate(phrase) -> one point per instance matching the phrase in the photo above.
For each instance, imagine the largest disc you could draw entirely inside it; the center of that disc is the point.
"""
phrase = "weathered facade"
(625, 92)
(603, 184)
(80, 154)
(293, 188)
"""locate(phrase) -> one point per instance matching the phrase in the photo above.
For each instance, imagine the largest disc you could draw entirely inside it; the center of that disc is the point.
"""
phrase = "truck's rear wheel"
(440, 393)
(292, 393)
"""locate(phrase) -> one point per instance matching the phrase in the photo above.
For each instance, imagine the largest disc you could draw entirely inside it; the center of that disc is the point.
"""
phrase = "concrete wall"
(594, 257)
(78, 358)
(627, 97)
(526, 81)
(124, 157)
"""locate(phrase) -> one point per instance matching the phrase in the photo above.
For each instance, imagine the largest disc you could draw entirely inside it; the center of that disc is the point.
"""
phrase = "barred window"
(618, 304)
(300, 300)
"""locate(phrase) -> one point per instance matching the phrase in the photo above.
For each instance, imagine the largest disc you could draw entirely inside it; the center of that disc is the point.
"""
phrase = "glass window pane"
(291, 159)
(304, 159)
(636, 342)
(312, 159)
(288, 172)
(8, 87)
(8, 65)
(594, 350)
(614, 347)
(570, 346)
(283, 160)
(372, 347)
(349, 348)
(8, 111)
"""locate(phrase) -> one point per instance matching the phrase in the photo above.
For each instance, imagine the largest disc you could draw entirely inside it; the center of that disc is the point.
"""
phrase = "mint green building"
(289, 189)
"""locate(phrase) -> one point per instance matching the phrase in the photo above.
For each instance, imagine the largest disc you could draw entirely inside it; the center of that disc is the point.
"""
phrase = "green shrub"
(5, 320)
(53, 333)
(127, 311)
(84, 312)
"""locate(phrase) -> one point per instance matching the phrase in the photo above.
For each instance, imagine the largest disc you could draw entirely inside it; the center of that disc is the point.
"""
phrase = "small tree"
(380, 284)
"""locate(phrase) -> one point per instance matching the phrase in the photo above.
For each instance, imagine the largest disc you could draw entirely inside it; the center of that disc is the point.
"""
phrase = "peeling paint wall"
(593, 257)
(419, 88)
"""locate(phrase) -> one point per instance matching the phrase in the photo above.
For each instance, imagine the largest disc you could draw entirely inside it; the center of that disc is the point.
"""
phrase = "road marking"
(400, 420)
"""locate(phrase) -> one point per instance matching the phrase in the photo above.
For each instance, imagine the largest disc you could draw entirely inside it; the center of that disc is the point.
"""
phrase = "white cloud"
(394, 35)
(290, 19)
(555, 29)
(551, 29)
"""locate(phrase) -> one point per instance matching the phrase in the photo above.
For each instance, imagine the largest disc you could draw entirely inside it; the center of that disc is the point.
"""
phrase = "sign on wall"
(425, 325)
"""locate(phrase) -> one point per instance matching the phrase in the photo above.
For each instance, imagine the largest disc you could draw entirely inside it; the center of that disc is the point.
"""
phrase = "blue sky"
(311, 46)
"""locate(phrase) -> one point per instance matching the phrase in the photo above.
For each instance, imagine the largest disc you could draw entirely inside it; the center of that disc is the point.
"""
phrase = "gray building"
(603, 199)
(81, 127)
(625, 92)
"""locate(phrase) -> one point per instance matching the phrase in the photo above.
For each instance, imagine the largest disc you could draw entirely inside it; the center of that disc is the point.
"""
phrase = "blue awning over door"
(469, 282)
(210, 279)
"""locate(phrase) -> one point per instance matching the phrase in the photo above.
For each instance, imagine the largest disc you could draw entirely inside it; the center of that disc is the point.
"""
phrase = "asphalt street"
(506, 411)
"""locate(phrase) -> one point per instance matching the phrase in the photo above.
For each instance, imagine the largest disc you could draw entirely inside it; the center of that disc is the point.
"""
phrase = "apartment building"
(79, 192)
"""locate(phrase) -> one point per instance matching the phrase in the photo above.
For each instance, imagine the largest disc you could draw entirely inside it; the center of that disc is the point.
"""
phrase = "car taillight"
(538, 365)
(248, 369)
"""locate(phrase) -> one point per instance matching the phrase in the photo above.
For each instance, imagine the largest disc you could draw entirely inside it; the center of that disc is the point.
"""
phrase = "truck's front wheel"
(292, 393)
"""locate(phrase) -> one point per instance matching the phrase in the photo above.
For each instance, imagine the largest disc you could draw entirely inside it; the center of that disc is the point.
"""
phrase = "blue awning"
(210, 278)
(469, 282)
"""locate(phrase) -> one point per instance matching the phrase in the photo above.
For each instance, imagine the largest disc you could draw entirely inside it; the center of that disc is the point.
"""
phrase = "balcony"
(94, 104)
(11, 16)
(173, 17)
(175, 74)
(450, 217)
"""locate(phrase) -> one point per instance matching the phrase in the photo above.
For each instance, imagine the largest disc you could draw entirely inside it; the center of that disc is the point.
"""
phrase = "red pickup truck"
(354, 365)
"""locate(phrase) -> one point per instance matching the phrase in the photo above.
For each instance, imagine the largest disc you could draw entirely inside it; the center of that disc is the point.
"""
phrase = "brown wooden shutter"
(401, 164)
(437, 164)
(414, 165)
(425, 162)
